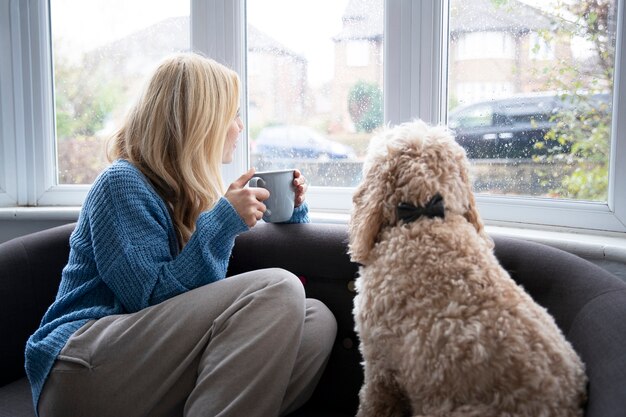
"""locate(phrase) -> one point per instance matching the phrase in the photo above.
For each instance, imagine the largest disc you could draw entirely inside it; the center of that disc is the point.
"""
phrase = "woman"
(144, 323)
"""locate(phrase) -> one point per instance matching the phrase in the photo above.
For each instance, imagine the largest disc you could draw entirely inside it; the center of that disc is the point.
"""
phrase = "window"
(480, 115)
(357, 53)
(102, 51)
(484, 44)
(555, 123)
(466, 92)
(541, 46)
(432, 69)
(319, 95)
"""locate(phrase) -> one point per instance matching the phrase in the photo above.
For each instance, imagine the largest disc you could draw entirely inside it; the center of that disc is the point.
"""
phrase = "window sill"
(40, 213)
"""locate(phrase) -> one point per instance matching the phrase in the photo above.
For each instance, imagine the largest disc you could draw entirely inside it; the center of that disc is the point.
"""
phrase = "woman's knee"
(321, 322)
(286, 285)
(282, 292)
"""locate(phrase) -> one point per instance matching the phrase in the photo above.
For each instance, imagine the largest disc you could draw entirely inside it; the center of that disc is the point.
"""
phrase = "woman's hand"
(301, 186)
(248, 202)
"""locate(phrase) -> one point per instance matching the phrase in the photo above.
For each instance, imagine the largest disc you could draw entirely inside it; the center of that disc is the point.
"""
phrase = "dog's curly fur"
(444, 330)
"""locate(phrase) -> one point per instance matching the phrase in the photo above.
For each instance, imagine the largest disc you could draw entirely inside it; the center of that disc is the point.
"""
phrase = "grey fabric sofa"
(588, 303)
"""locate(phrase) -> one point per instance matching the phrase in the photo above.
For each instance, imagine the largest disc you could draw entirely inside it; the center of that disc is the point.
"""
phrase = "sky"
(92, 23)
(306, 27)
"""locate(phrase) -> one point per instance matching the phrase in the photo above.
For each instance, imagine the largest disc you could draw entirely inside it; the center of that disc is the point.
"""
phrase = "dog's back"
(458, 331)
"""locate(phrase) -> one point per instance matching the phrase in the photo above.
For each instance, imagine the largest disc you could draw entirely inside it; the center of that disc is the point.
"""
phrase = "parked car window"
(519, 128)
(478, 115)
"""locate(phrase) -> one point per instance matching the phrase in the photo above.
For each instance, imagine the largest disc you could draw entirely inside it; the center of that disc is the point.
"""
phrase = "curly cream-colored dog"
(444, 330)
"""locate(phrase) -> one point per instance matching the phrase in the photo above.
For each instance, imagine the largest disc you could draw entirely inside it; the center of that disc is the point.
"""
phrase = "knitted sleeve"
(300, 214)
(134, 243)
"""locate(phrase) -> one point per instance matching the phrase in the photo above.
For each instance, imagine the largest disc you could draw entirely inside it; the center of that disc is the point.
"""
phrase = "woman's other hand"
(301, 186)
(248, 202)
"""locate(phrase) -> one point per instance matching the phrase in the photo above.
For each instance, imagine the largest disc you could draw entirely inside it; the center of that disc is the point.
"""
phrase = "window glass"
(477, 115)
(545, 69)
(314, 85)
(485, 44)
(540, 46)
(102, 51)
(357, 53)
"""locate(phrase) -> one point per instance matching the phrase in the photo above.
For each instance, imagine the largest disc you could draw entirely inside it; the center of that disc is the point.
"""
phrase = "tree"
(580, 138)
(365, 105)
(84, 99)
(584, 126)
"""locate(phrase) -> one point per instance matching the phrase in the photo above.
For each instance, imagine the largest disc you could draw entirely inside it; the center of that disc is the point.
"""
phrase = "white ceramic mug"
(281, 201)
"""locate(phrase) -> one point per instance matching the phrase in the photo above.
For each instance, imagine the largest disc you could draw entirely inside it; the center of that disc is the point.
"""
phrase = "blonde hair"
(175, 133)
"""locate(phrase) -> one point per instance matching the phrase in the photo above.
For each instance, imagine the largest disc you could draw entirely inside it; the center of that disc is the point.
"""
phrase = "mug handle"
(257, 182)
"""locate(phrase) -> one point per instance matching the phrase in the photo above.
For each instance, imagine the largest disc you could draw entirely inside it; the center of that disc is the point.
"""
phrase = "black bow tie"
(410, 213)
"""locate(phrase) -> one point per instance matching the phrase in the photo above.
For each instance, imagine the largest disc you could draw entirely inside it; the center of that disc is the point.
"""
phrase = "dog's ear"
(367, 216)
(471, 214)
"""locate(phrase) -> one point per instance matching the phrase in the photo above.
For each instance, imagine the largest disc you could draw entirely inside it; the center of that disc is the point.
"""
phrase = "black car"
(511, 127)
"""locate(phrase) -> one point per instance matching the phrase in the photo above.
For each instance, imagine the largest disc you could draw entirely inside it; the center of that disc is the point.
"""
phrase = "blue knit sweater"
(124, 257)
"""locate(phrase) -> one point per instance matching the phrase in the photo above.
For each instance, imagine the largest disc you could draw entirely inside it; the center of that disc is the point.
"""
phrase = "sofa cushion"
(16, 400)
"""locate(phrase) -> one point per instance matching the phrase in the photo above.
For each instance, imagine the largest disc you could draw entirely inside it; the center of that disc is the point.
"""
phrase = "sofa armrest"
(598, 333)
(30, 272)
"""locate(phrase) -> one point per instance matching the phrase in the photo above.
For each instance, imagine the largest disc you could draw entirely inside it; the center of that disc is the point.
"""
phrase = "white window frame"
(415, 54)
(8, 167)
(27, 113)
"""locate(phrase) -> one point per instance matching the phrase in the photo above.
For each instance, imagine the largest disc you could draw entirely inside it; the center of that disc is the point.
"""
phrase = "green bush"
(365, 105)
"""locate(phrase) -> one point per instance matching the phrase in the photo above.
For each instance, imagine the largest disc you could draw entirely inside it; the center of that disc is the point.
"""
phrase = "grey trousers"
(249, 345)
